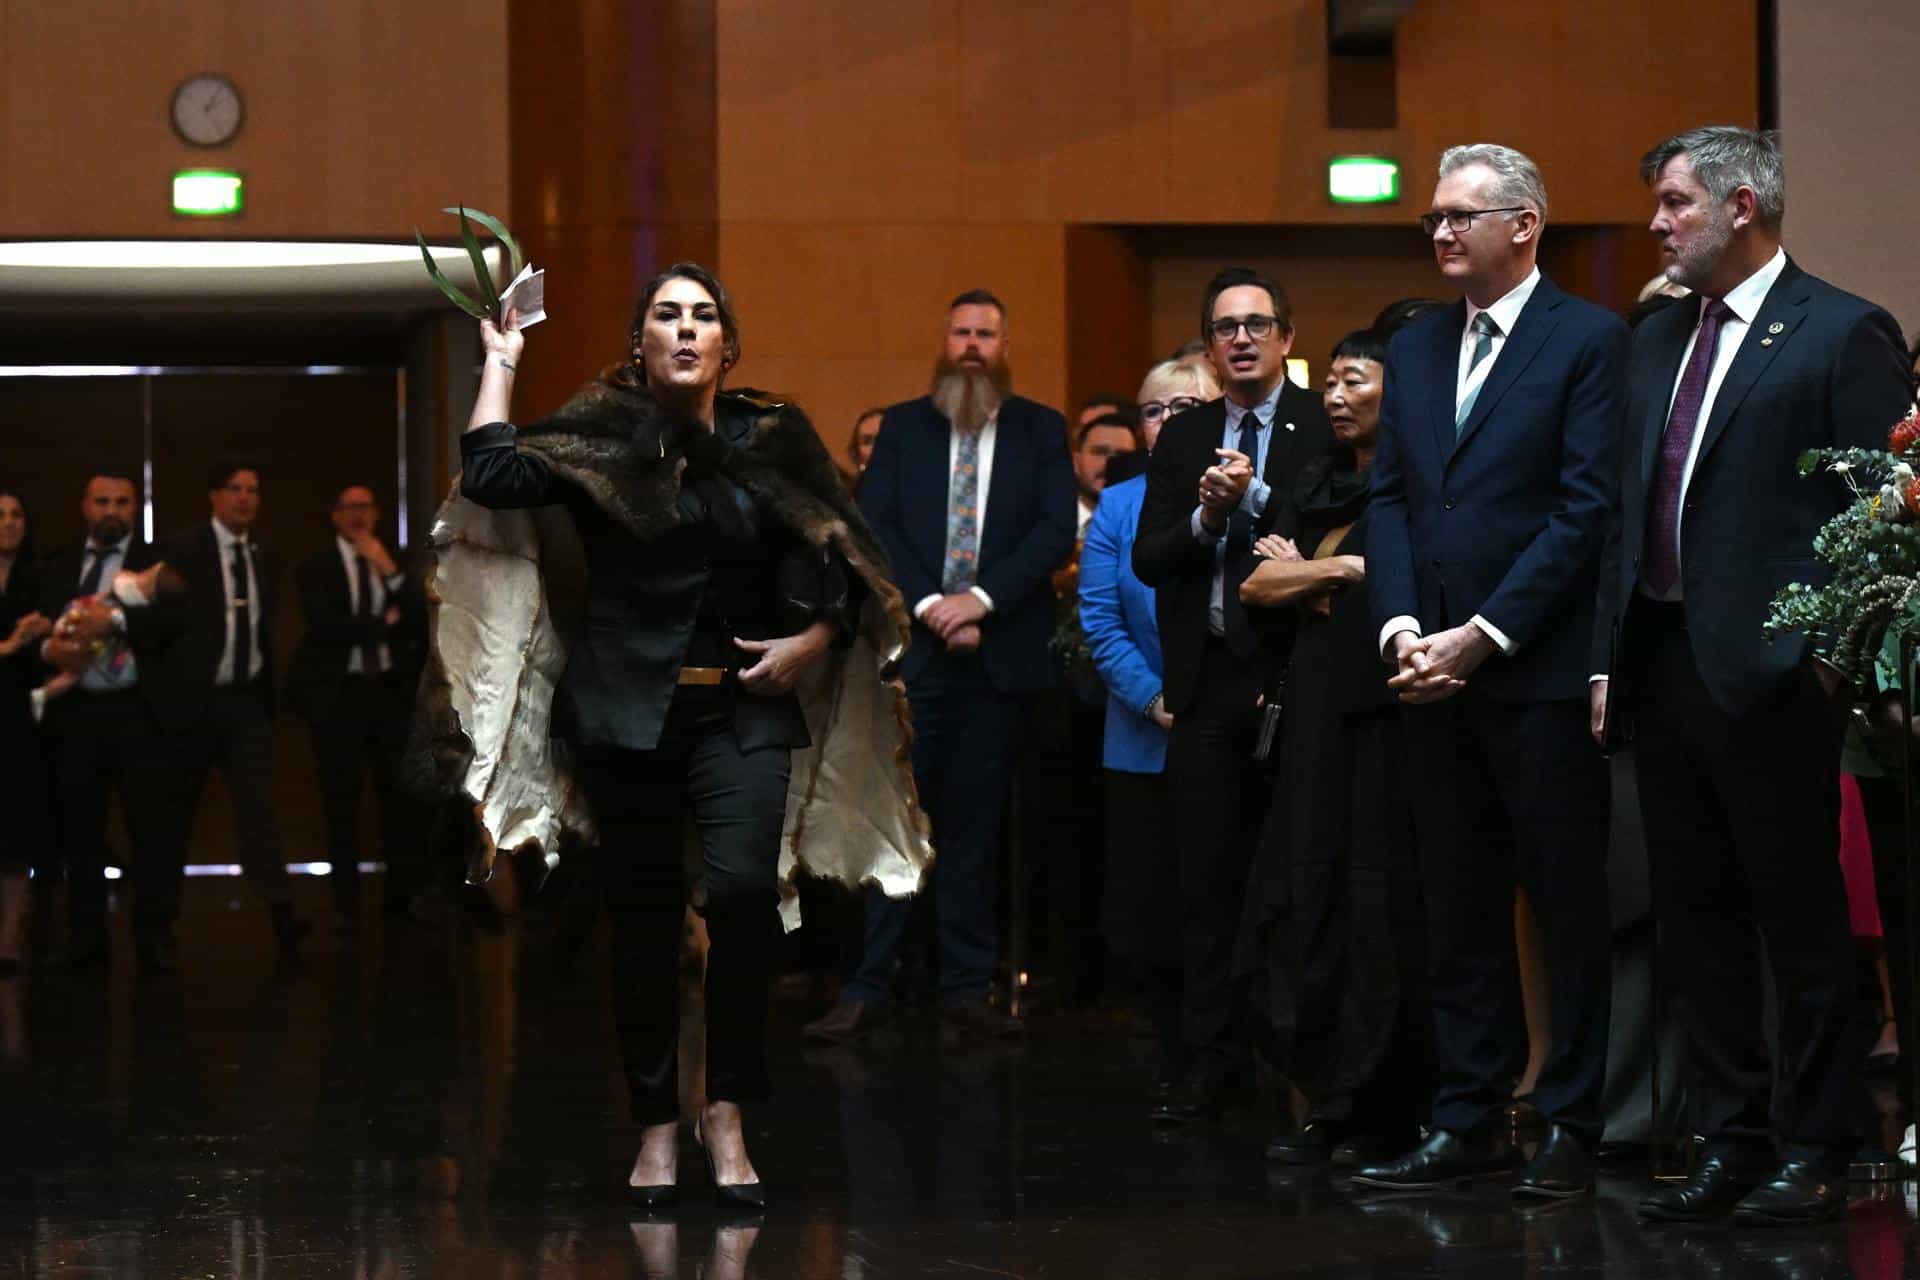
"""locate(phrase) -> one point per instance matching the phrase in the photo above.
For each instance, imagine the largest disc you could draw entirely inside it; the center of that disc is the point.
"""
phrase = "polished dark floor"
(445, 1103)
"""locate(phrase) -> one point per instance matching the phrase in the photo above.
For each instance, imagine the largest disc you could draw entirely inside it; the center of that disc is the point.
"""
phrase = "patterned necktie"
(963, 515)
(90, 575)
(242, 618)
(369, 649)
(1486, 330)
(1662, 556)
(1240, 523)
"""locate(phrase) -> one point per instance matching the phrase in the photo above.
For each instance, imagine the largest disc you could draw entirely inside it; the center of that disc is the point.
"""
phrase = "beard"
(1694, 264)
(967, 395)
(108, 530)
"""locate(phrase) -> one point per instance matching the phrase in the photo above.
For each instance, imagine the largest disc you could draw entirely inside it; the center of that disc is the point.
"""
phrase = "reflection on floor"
(446, 1104)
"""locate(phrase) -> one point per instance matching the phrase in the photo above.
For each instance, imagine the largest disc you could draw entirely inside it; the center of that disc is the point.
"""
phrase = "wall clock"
(206, 110)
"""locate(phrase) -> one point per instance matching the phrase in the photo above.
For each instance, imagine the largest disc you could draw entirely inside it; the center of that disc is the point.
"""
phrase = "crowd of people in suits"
(1349, 664)
(1362, 658)
(131, 670)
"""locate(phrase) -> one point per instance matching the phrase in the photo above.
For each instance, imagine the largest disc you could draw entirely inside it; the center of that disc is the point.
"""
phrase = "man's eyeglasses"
(1155, 410)
(1258, 327)
(1460, 221)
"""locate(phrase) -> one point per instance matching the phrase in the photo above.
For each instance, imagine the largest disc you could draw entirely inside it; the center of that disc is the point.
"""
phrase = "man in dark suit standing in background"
(213, 689)
(349, 679)
(971, 491)
(1489, 504)
(1217, 481)
(105, 741)
(1736, 744)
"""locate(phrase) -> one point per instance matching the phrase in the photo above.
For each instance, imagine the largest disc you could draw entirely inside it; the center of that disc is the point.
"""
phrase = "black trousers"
(235, 736)
(1506, 794)
(1142, 879)
(641, 801)
(963, 753)
(1219, 799)
(1743, 835)
(359, 734)
(1364, 1041)
(106, 744)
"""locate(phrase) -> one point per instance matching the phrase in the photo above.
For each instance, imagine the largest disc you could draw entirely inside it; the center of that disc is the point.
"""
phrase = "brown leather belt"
(703, 675)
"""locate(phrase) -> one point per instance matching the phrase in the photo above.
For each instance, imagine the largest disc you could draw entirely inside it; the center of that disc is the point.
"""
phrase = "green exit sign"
(208, 193)
(1363, 180)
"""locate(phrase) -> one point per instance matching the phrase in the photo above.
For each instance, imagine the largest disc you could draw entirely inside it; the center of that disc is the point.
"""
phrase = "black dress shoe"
(1441, 1161)
(1314, 1144)
(1721, 1178)
(1206, 1095)
(1800, 1192)
(1560, 1170)
(750, 1196)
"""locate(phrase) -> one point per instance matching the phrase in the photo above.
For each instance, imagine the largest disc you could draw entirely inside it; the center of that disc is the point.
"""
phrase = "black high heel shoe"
(751, 1196)
(652, 1198)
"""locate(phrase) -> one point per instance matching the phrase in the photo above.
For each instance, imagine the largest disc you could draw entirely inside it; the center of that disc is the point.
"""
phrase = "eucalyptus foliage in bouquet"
(489, 303)
(1874, 548)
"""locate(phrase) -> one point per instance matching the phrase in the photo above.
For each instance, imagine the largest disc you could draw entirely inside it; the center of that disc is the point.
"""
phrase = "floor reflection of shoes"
(848, 1021)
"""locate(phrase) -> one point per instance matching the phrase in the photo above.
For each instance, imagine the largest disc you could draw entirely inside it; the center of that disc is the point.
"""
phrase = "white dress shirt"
(988, 432)
(1506, 313)
(1743, 304)
(1253, 501)
(225, 540)
(383, 590)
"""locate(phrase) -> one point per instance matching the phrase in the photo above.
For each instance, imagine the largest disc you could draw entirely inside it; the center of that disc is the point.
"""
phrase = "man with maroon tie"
(1736, 745)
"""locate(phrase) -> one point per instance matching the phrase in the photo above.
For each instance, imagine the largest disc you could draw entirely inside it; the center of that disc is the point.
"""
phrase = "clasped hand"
(1433, 668)
(1222, 486)
(950, 613)
(783, 658)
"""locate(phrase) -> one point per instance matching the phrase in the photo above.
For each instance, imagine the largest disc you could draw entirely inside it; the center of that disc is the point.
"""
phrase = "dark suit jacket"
(645, 599)
(1507, 520)
(1835, 375)
(1168, 558)
(180, 675)
(1026, 531)
(333, 631)
(146, 633)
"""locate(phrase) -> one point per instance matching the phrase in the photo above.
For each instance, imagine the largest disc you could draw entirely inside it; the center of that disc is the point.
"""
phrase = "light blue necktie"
(1485, 328)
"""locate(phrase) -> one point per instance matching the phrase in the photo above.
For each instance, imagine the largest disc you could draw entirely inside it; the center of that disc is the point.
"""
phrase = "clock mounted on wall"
(206, 110)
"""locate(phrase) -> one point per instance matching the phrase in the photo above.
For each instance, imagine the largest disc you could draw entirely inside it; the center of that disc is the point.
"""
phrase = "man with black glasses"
(1216, 483)
(1490, 488)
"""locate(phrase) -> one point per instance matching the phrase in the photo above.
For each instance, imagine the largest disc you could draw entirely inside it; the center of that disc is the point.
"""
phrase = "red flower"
(1905, 433)
(1910, 495)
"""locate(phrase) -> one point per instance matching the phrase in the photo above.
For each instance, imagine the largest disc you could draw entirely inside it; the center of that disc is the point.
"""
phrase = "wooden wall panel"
(841, 316)
(361, 119)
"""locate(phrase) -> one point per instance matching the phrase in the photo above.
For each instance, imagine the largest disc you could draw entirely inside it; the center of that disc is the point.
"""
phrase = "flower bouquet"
(1874, 548)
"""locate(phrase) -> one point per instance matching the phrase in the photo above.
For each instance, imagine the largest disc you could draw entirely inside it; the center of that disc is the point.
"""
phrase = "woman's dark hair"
(1361, 344)
(630, 372)
(26, 561)
(1394, 316)
(853, 436)
(1233, 278)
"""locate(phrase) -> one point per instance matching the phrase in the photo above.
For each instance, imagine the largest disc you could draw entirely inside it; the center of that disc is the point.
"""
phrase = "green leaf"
(481, 273)
(447, 286)
(499, 229)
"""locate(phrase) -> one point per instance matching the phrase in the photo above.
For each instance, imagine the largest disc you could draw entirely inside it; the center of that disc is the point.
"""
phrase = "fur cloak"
(507, 588)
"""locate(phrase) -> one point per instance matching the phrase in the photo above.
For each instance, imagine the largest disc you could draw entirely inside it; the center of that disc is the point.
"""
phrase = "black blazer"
(1168, 558)
(334, 631)
(744, 573)
(1507, 520)
(146, 632)
(1834, 375)
(179, 676)
(1026, 531)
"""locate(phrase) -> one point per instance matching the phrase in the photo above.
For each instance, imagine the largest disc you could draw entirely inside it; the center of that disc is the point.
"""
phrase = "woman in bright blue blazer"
(1117, 619)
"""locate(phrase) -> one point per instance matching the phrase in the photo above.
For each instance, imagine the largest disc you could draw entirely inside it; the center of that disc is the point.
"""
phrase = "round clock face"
(206, 110)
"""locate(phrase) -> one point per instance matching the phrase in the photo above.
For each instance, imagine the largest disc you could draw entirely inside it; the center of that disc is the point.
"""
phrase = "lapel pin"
(1766, 342)
(1775, 327)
